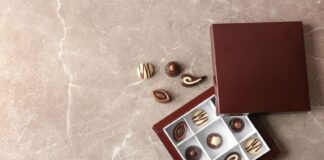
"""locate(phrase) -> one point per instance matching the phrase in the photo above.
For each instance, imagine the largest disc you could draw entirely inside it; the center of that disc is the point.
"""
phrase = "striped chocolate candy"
(200, 117)
(145, 70)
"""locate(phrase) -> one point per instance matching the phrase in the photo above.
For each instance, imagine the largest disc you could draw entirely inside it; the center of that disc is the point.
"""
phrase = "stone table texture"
(69, 89)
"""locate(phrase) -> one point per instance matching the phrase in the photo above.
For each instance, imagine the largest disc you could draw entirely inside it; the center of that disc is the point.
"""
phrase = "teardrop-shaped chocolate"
(179, 131)
(188, 80)
(162, 96)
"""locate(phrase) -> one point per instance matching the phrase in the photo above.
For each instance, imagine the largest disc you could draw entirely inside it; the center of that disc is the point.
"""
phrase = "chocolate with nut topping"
(172, 69)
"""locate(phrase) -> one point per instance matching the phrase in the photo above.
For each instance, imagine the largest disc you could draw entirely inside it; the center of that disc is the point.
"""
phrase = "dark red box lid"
(259, 67)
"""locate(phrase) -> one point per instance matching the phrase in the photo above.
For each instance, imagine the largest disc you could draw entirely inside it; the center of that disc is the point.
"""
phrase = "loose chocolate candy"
(214, 140)
(145, 70)
(233, 156)
(253, 146)
(193, 153)
(162, 96)
(179, 131)
(236, 124)
(188, 80)
(200, 117)
(172, 69)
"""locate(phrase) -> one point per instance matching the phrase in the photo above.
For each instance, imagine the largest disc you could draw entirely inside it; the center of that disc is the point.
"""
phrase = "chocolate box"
(258, 67)
(196, 135)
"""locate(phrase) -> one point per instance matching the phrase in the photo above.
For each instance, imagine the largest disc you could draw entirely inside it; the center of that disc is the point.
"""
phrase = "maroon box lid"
(259, 67)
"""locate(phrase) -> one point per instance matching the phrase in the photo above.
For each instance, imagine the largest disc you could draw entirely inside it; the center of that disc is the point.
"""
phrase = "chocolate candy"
(233, 156)
(145, 70)
(179, 131)
(200, 117)
(193, 153)
(236, 124)
(188, 80)
(214, 140)
(162, 96)
(172, 69)
(253, 145)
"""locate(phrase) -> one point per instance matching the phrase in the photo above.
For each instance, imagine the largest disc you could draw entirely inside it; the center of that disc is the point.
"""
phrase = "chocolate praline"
(179, 131)
(233, 156)
(236, 124)
(193, 153)
(172, 69)
(214, 140)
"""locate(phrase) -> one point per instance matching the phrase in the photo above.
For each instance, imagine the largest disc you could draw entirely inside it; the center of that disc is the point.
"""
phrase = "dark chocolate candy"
(193, 153)
(172, 69)
(188, 80)
(162, 96)
(214, 140)
(236, 124)
(233, 156)
(179, 131)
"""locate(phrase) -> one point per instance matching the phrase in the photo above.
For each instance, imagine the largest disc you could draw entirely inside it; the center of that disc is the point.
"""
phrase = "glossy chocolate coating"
(145, 70)
(236, 124)
(172, 69)
(188, 80)
(233, 156)
(179, 131)
(214, 140)
(162, 96)
(193, 153)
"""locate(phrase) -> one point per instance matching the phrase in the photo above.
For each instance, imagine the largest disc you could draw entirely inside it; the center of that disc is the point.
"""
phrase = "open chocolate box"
(196, 135)
(258, 68)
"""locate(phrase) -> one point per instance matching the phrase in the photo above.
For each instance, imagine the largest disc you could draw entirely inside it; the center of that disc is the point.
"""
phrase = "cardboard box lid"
(259, 67)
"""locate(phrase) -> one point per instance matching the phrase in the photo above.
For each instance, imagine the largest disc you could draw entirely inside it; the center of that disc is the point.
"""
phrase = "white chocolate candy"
(145, 70)
(253, 146)
(200, 117)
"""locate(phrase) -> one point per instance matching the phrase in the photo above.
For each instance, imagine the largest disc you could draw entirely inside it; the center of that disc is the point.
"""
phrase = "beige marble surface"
(69, 89)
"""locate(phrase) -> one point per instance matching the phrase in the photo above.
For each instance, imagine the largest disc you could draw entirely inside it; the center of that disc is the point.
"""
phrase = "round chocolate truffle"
(236, 124)
(193, 153)
(172, 69)
(214, 140)
(233, 156)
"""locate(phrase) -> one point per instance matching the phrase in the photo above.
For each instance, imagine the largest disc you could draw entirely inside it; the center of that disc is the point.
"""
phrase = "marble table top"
(69, 89)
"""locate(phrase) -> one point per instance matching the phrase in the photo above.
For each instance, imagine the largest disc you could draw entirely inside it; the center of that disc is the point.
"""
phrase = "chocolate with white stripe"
(253, 145)
(188, 80)
(200, 117)
(145, 70)
(233, 156)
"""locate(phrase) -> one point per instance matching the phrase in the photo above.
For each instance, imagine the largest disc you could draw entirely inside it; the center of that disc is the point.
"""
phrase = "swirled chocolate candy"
(162, 96)
(172, 69)
(200, 117)
(214, 140)
(253, 146)
(233, 156)
(179, 131)
(193, 153)
(188, 80)
(236, 124)
(145, 70)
